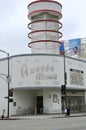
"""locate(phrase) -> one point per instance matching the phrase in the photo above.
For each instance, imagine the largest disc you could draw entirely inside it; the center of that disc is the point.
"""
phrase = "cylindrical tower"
(45, 25)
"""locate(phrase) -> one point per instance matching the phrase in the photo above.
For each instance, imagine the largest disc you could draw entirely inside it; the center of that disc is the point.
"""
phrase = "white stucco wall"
(28, 99)
(49, 103)
(24, 99)
(45, 71)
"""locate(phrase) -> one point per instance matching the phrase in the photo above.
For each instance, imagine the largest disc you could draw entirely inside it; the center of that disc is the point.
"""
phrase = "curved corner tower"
(44, 26)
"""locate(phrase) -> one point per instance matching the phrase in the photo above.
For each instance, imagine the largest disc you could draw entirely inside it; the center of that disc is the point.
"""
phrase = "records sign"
(76, 77)
(55, 98)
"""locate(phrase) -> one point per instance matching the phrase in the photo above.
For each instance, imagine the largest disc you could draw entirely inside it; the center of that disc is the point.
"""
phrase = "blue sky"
(13, 23)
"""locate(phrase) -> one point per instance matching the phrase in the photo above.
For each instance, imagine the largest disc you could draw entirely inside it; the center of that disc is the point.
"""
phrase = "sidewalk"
(49, 116)
(44, 116)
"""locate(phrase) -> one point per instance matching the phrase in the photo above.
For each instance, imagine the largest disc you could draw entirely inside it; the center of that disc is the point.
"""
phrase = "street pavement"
(45, 122)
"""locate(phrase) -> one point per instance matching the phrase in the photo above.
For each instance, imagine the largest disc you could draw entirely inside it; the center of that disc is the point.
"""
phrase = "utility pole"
(8, 80)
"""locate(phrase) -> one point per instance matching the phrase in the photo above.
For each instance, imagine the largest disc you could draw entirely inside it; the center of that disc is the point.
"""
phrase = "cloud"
(13, 23)
(13, 26)
(73, 18)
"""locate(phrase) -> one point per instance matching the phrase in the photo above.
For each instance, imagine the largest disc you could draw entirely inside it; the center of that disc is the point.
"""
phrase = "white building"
(36, 81)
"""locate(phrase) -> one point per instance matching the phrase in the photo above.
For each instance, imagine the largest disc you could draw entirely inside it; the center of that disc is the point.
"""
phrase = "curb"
(43, 117)
(10, 119)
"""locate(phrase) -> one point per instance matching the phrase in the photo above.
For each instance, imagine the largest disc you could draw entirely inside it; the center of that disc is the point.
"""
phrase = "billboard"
(75, 46)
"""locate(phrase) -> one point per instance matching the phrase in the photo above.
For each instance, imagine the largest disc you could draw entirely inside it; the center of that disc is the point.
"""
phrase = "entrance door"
(39, 104)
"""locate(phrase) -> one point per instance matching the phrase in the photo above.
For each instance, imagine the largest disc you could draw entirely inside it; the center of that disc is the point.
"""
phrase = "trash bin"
(68, 111)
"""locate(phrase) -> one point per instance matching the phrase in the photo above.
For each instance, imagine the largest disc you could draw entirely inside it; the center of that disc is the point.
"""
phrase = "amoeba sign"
(39, 71)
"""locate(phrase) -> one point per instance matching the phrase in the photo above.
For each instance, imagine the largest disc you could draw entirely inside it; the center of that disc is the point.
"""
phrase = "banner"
(61, 48)
(75, 46)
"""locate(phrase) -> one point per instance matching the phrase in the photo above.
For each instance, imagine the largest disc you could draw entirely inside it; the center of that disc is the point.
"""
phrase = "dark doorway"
(39, 104)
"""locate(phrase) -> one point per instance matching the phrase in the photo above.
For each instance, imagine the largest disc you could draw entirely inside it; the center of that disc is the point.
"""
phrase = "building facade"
(36, 81)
